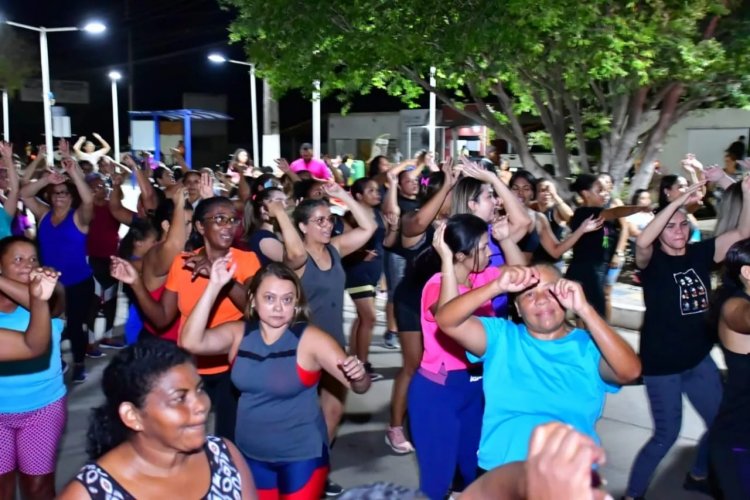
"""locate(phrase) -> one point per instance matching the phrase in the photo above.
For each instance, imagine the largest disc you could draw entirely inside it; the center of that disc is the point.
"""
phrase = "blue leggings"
(298, 480)
(446, 426)
(703, 387)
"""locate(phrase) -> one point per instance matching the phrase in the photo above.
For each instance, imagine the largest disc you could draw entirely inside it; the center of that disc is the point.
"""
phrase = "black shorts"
(407, 304)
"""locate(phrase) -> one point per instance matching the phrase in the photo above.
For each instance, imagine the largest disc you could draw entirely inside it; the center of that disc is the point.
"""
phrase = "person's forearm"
(651, 232)
(513, 207)
(193, 332)
(84, 192)
(743, 226)
(391, 237)
(512, 253)
(457, 311)
(725, 182)
(294, 248)
(38, 332)
(30, 170)
(364, 220)
(148, 191)
(11, 202)
(615, 350)
(420, 220)
(390, 205)
(620, 212)
(448, 283)
(622, 241)
(559, 248)
(154, 310)
(32, 189)
(507, 482)
(238, 294)
(563, 209)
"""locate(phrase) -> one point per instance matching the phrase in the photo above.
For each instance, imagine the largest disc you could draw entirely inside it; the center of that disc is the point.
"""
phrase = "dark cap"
(305, 145)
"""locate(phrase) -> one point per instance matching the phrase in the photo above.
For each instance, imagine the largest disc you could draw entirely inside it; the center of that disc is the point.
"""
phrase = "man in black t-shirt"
(675, 339)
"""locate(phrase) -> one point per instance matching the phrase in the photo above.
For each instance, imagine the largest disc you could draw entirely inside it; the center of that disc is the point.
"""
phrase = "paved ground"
(361, 456)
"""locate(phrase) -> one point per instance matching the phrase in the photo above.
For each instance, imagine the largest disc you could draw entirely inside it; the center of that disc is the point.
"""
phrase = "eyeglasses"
(322, 221)
(223, 220)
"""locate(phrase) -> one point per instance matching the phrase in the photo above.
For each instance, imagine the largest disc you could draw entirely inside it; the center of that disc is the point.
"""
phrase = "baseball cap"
(305, 145)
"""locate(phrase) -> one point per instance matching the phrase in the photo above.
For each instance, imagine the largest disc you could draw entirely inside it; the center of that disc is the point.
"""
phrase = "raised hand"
(275, 208)
(333, 190)
(500, 228)
(714, 173)
(42, 150)
(393, 219)
(64, 147)
(516, 278)
(594, 224)
(177, 193)
(42, 284)
(392, 177)
(570, 295)
(55, 177)
(692, 194)
(440, 246)
(129, 162)
(451, 174)
(283, 165)
(353, 369)
(199, 264)
(559, 464)
(6, 151)
(472, 169)
(70, 166)
(122, 270)
(206, 188)
(222, 270)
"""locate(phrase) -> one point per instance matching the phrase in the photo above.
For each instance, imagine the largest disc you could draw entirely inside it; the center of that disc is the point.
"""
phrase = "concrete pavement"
(360, 455)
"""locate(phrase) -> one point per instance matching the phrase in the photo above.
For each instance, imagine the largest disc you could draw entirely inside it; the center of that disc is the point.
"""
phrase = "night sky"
(171, 40)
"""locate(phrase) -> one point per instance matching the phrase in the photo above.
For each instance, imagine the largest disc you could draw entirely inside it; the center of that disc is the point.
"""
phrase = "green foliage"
(17, 59)
(543, 56)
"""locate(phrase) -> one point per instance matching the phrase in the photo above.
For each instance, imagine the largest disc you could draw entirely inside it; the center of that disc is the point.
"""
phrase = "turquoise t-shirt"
(528, 382)
(35, 383)
(5, 223)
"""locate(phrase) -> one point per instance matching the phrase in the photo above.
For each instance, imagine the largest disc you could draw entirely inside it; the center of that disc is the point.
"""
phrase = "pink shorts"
(30, 439)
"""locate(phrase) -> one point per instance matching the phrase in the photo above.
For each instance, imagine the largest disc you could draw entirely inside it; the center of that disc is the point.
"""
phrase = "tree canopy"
(17, 59)
(616, 73)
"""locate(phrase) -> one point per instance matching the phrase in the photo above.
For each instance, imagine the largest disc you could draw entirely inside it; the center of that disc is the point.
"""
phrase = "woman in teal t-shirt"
(542, 370)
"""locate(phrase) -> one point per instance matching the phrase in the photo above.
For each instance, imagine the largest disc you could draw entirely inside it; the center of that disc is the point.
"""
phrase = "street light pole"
(115, 76)
(47, 102)
(316, 118)
(6, 117)
(219, 59)
(254, 117)
(92, 27)
(431, 121)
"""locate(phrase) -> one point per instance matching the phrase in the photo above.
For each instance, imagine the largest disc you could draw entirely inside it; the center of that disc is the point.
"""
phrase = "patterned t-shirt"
(225, 478)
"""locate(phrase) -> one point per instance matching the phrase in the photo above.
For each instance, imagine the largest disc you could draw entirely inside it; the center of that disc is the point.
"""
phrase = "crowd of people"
(498, 296)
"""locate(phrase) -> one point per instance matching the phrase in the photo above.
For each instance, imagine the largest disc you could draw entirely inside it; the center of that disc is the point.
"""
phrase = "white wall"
(705, 133)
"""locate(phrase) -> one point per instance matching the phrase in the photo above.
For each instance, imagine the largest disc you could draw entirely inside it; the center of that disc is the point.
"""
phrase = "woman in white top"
(90, 153)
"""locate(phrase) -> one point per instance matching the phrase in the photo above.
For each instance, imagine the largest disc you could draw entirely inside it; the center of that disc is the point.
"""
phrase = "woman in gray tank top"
(323, 278)
(277, 360)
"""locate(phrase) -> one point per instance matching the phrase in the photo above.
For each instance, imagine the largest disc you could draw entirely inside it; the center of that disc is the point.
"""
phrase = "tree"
(17, 60)
(617, 72)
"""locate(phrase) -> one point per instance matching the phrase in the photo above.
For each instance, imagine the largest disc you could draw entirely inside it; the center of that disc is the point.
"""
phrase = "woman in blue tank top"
(277, 360)
(64, 217)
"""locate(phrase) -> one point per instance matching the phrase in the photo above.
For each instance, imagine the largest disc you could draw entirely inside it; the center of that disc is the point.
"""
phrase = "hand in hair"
(43, 281)
(440, 246)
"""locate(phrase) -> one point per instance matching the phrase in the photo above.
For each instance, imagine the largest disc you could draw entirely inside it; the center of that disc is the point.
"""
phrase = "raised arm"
(30, 191)
(622, 211)
(11, 202)
(456, 318)
(293, 251)
(119, 212)
(19, 293)
(78, 144)
(159, 259)
(511, 252)
(85, 211)
(716, 174)
(160, 313)
(194, 336)
(729, 238)
(30, 170)
(518, 216)
(645, 241)
(619, 364)
(105, 145)
(355, 239)
(390, 203)
(35, 340)
(416, 223)
(557, 248)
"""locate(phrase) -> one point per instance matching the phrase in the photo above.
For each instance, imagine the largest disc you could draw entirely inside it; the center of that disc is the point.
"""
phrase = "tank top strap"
(250, 327)
(298, 328)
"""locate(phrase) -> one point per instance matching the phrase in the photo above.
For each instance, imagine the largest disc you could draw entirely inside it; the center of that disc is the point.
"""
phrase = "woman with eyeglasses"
(64, 221)
(324, 280)
(215, 222)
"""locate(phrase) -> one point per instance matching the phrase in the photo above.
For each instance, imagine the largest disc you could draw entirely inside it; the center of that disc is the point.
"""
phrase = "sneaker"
(112, 344)
(374, 376)
(390, 340)
(332, 489)
(79, 374)
(94, 353)
(692, 483)
(65, 367)
(396, 439)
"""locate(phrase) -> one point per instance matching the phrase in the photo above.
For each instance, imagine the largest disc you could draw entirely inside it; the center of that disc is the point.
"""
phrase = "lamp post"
(115, 76)
(316, 117)
(219, 59)
(431, 120)
(6, 117)
(92, 27)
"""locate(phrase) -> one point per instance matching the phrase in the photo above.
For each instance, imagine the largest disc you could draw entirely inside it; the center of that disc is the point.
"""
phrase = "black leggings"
(730, 464)
(78, 299)
(108, 286)
(224, 398)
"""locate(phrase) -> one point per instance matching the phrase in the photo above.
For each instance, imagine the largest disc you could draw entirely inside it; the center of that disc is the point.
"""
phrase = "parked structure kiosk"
(142, 140)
